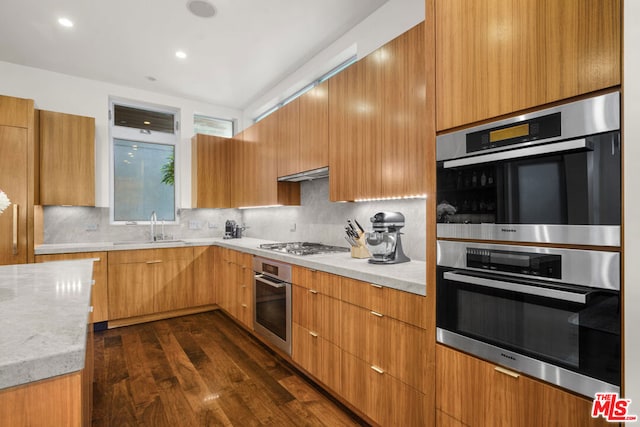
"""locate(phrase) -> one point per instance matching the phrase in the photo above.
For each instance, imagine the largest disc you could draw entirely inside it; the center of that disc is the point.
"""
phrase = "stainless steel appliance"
(229, 229)
(232, 230)
(384, 242)
(303, 248)
(550, 313)
(272, 311)
(549, 176)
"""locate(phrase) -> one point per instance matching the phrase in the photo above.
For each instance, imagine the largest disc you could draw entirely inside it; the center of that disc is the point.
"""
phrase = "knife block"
(361, 251)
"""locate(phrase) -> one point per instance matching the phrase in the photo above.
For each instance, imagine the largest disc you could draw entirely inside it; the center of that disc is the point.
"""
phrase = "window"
(144, 178)
(307, 88)
(212, 126)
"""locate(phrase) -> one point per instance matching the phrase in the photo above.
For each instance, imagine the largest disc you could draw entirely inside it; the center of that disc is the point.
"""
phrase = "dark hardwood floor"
(201, 370)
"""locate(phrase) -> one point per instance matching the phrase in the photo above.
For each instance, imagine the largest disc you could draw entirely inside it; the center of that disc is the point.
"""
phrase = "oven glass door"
(271, 305)
(576, 328)
(580, 186)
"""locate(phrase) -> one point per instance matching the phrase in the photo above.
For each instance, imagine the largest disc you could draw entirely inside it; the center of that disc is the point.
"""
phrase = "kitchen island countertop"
(43, 325)
(408, 277)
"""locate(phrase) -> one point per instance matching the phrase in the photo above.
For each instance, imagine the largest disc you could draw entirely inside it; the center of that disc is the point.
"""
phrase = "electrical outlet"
(92, 227)
(293, 227)
(195, 225)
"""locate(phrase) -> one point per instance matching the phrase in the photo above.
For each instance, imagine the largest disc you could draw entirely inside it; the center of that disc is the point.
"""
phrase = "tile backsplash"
(316, 220)
(319, 220)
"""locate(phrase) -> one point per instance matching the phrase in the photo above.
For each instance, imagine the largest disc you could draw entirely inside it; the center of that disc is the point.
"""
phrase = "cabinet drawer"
(150, 255)
(400, 305)
(328, 284)
(317, 312)
(396, 347)
(317, 356)
(381, 397)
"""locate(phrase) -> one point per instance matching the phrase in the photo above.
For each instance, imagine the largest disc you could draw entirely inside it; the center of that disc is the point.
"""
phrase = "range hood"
(306, 176)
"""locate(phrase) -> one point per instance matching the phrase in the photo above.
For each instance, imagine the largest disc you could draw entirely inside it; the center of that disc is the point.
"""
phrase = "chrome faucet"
(152, 221)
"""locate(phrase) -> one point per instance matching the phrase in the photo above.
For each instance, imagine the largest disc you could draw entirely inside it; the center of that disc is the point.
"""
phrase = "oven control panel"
(529, 263)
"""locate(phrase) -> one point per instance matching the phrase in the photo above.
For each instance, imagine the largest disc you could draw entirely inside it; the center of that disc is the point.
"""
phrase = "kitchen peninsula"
(46, 355)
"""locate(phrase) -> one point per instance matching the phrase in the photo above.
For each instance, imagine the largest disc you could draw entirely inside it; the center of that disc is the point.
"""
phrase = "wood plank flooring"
(201, 370)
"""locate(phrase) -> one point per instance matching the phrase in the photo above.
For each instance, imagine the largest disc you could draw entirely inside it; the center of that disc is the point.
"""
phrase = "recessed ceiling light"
(201, 8)
(146, 122)
(65, 22)
(180, 54)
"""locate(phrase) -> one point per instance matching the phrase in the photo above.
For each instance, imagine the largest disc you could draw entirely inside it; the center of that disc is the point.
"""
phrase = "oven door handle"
(261, 278)
(559, 294)
(536, 150)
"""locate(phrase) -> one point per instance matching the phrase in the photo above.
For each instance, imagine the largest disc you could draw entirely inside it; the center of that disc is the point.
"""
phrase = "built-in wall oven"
(272, 309)
(551, 313)
(551, 176)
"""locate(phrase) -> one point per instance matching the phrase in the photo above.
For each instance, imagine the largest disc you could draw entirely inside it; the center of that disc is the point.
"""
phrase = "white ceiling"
(234, 57)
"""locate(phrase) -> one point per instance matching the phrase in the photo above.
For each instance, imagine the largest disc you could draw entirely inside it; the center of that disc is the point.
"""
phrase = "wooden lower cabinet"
(374, 361)
(478, 393)
(244, 290)
(234, 284)
(99, 298)
(400, 305)
(204, 264)
(396, 347)
(318, 356)
(317, 312)
(174, 284)
(383, 398)
(143, 282)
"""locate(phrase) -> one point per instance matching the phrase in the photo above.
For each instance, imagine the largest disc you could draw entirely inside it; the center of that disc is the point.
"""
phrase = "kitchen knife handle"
(15, 229)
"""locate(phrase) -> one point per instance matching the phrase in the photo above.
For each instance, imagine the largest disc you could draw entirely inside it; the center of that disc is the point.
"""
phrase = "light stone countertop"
(44, 309)
(409, 277)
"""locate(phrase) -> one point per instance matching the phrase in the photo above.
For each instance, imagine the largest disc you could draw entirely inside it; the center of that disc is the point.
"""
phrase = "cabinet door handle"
(506, 372)
(378, 370)
(376, 286)
(244, 305)
(313, 334)
(375, 313)
(155, 261)
(313, 291)
(15, 229)
(313, 271)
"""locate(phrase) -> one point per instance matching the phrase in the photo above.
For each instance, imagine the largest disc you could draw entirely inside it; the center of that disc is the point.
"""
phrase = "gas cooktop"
(303, 248)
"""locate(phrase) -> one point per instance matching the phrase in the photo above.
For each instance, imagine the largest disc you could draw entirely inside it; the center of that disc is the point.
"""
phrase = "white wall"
(386, 23)
(73, 95)
(631, 130)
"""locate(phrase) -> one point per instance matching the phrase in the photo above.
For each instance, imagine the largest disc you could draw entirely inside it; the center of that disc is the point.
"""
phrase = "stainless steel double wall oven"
(529, 212)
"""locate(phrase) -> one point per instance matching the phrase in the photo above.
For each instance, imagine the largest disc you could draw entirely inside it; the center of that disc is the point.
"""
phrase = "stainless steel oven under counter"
(272, 310)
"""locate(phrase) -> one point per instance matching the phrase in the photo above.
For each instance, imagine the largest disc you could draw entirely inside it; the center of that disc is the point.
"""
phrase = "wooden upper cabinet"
(345, 92)
(377, 109)
(497, 57)
(286, 130)
(404, 114)
(210, 171)
(67, 159)
(15, 112)
(314, 128)
(258, 165)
